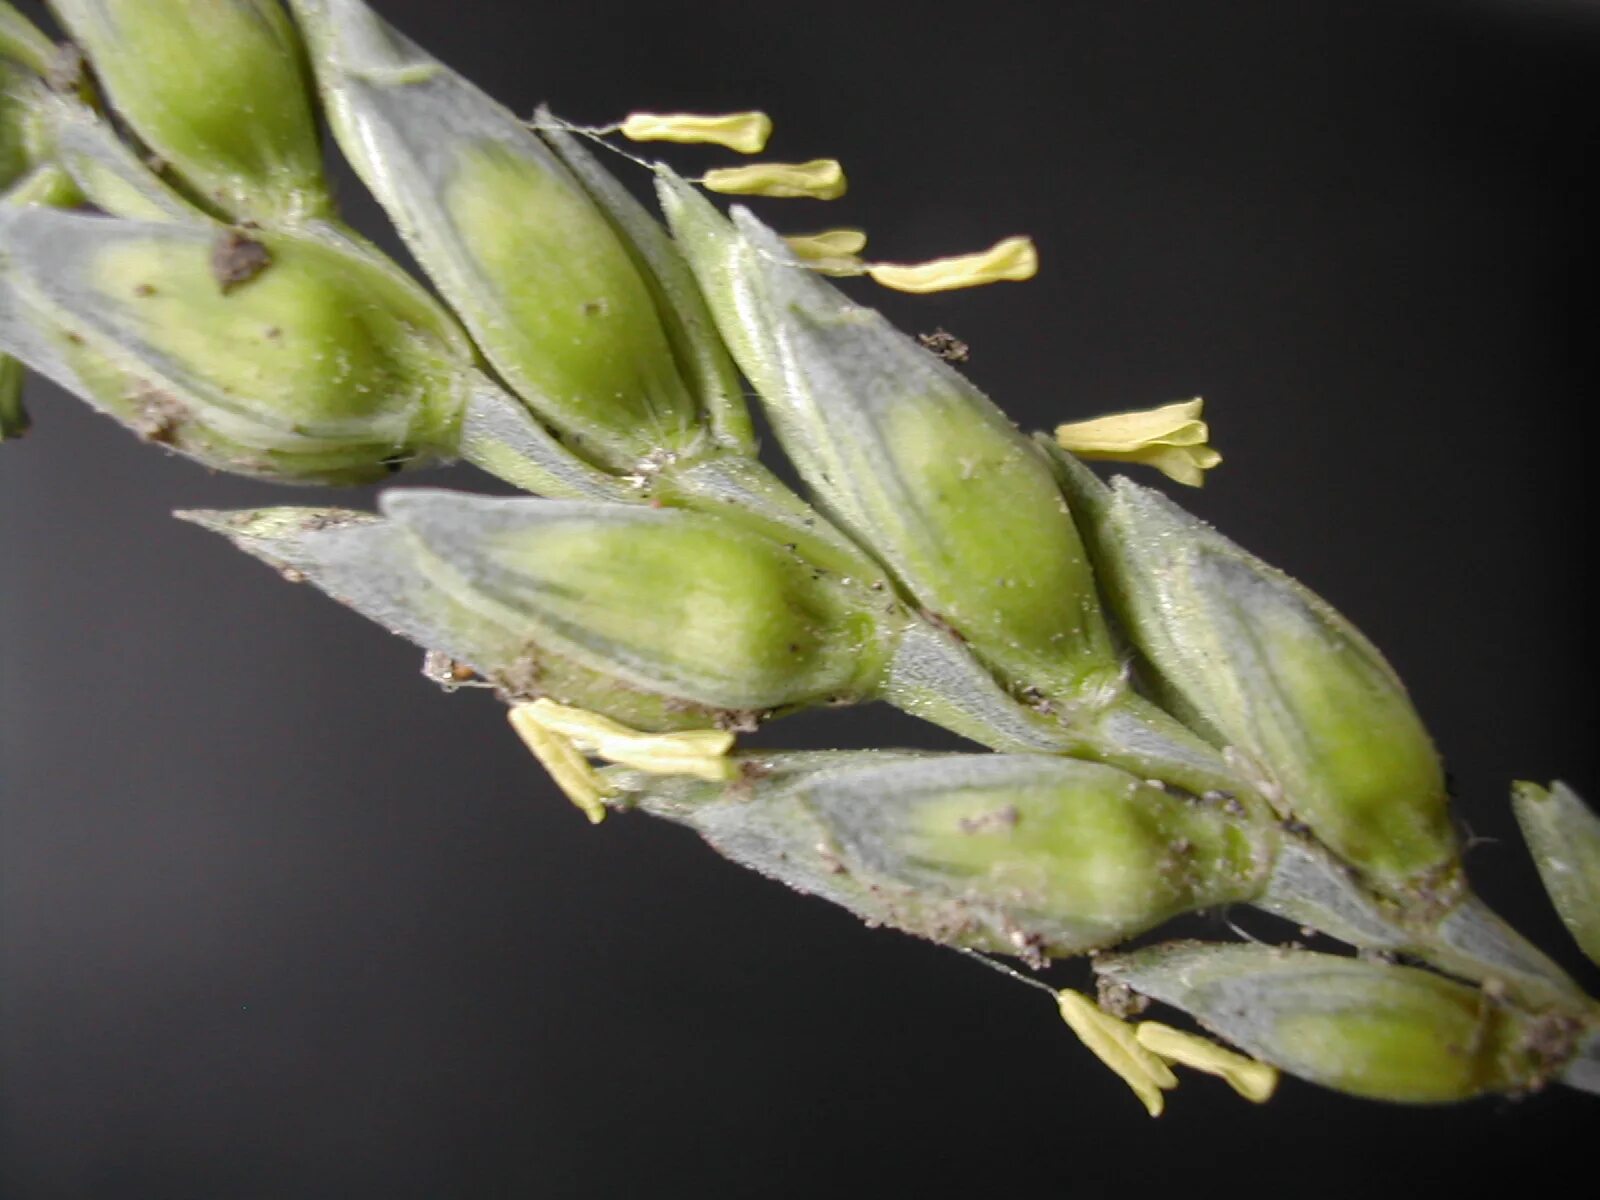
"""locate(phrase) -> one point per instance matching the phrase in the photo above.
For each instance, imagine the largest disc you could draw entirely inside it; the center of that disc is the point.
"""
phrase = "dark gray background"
(277, 919)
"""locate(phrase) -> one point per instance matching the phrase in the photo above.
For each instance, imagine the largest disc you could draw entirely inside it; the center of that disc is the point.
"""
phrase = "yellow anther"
(1012, 259)
(831, 252)
(746, 132)
(1172, 439)
(571, 771)
(1255, 1081)
(819, 179)
(1115, 1044)
(701, 753)
(830, 243)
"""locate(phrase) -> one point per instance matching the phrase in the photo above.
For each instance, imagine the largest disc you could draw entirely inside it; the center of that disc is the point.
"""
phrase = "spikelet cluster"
(1170, 724)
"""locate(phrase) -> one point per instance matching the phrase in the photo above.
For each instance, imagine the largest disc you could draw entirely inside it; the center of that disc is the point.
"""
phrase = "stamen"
(1013, 259)
(745, 132)
(570, 770)
(701, 753)
(1255, 1081)
(832, 252)
(1115, 1044)
(819, 179)
(830, 243)
(1172, 439)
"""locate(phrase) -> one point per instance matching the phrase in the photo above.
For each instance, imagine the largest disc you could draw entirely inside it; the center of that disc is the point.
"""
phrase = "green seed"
(981, 529)
(662, 619)
(1269, 669)
(1073, 855)
(218, 89)
(666, 600)
(1384, 1032)
(548, 285)
(569, 316)
(296, 357)
(702, 358)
